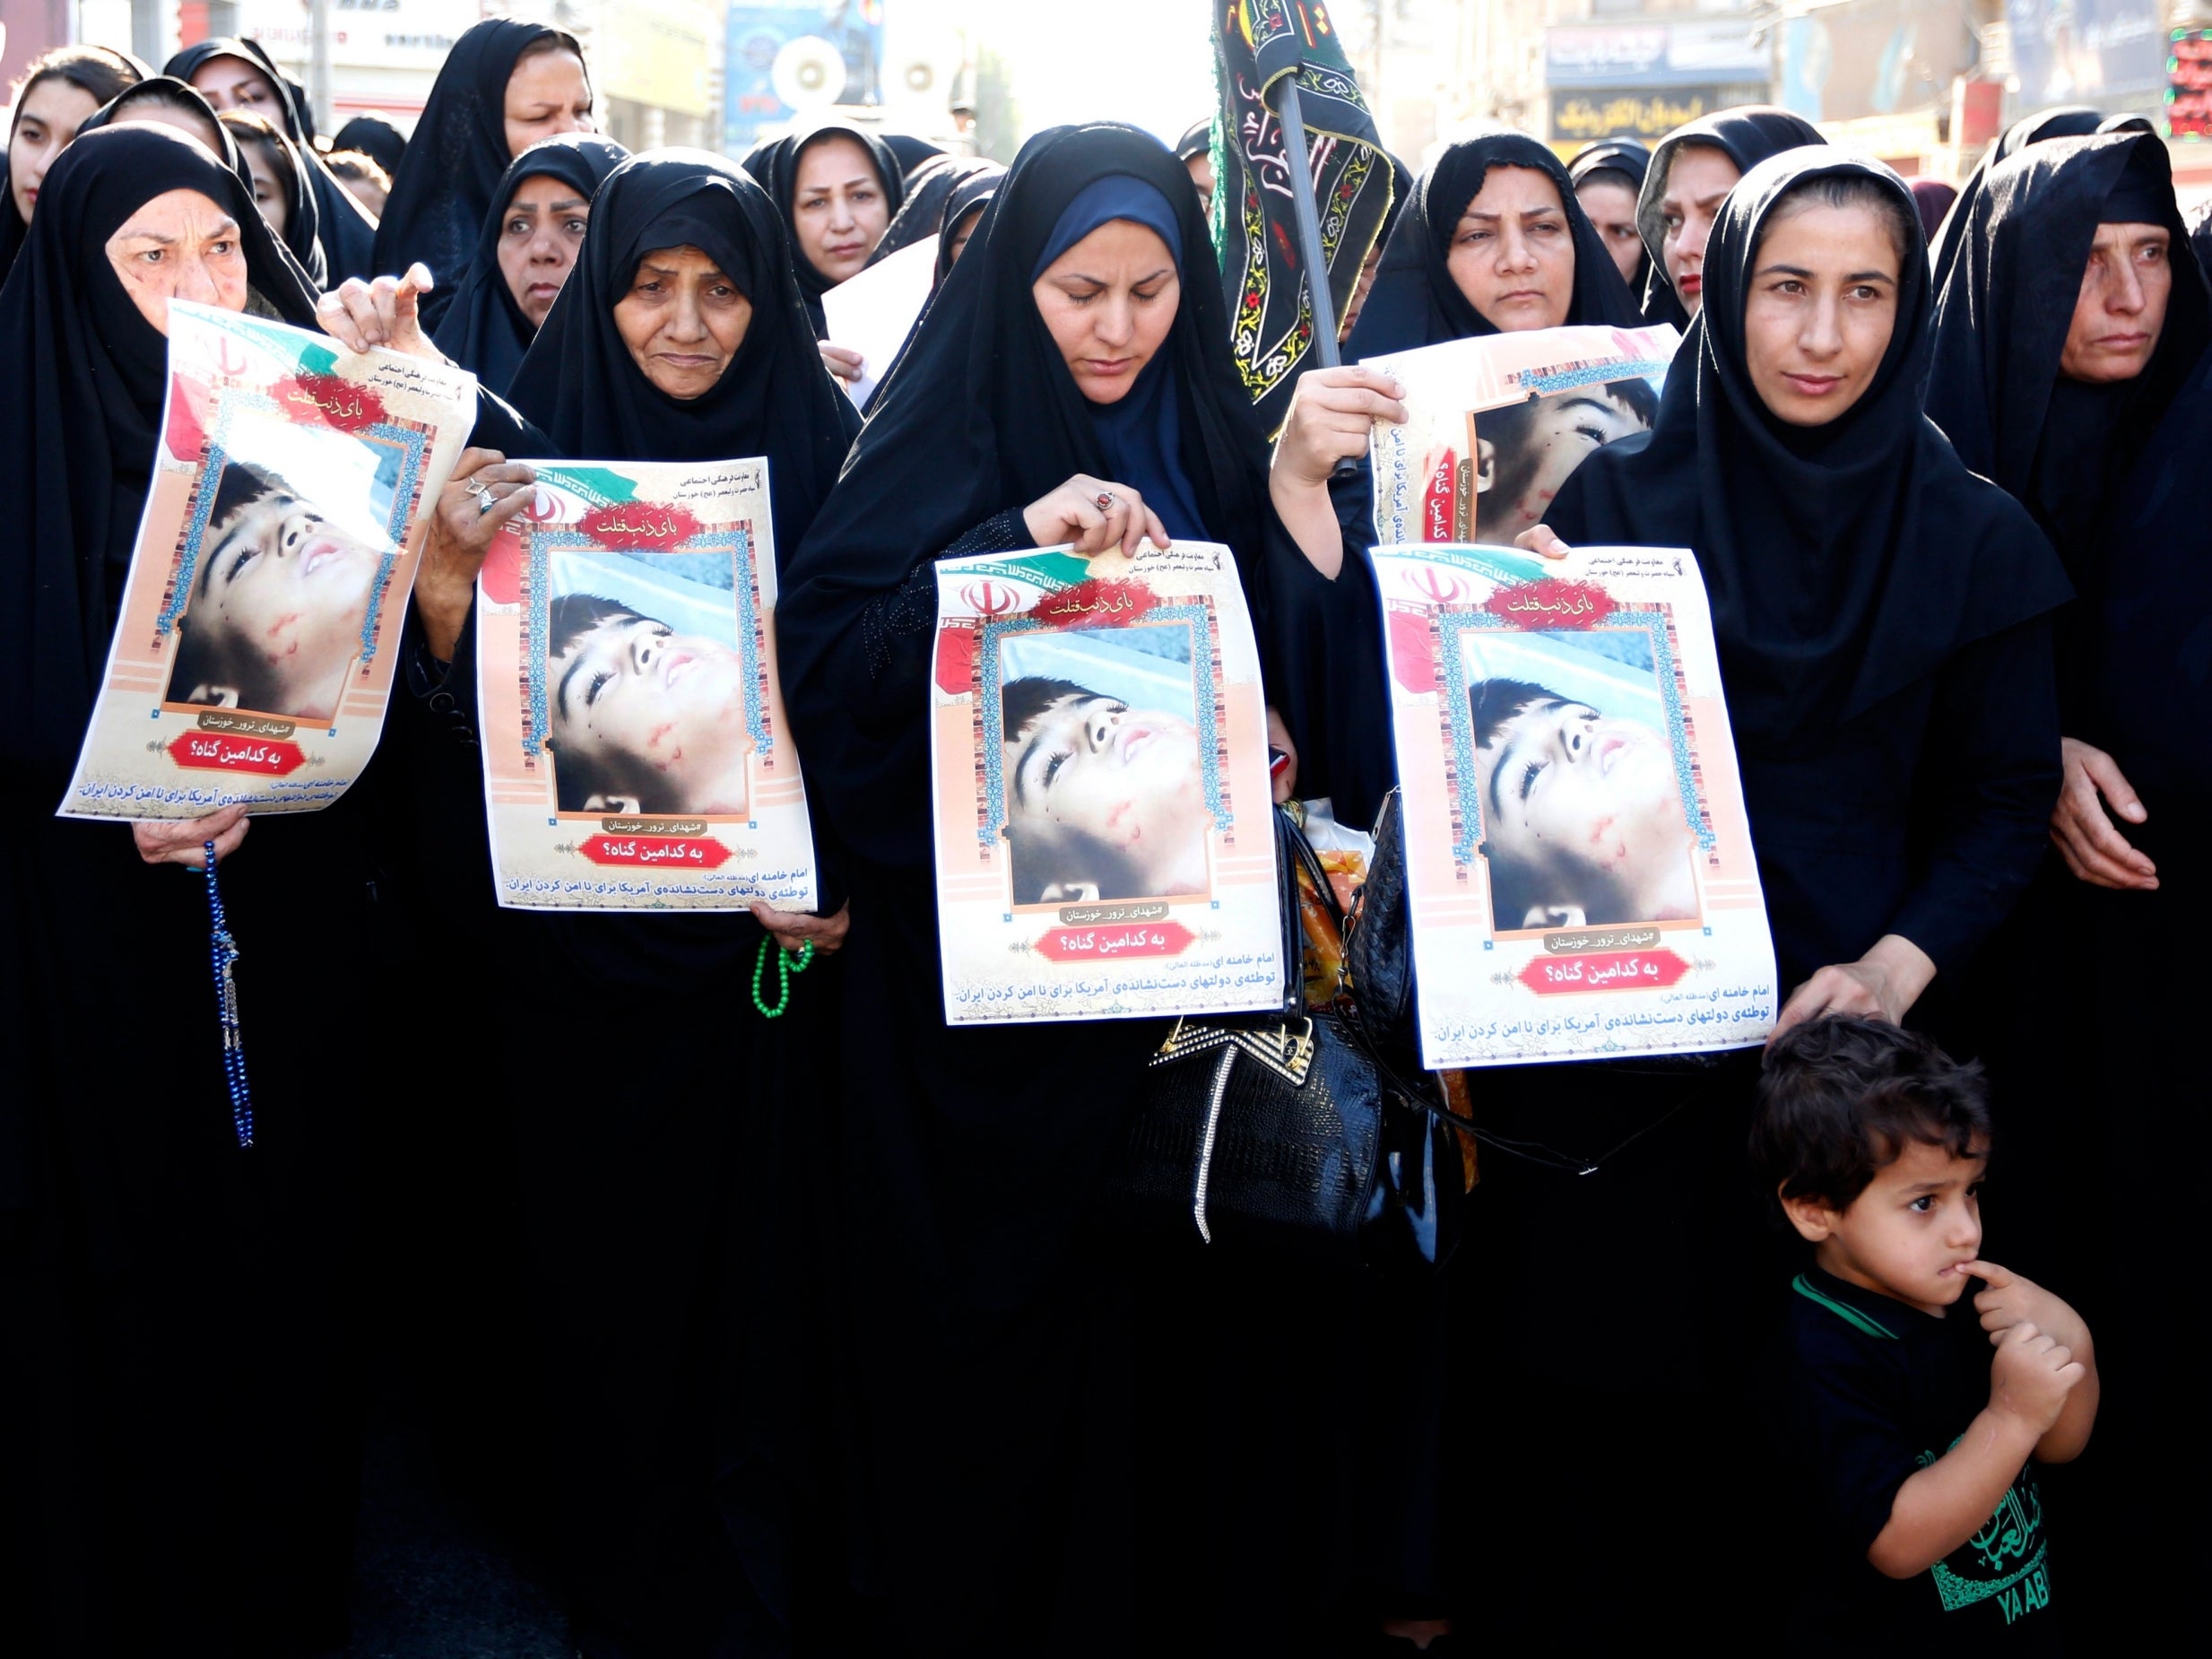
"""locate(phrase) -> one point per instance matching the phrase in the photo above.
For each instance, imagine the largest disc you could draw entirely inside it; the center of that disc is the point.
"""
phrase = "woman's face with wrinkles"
(179, 245)
(1123, 779)
(662, 712)
(287, 587)
(1591, 802)
(1561, 435)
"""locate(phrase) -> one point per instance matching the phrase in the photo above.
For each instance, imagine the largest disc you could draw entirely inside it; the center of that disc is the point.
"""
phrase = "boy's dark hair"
(568, 619)
(1023, 701)
(1491, 703)
(1839, 1098)
(205, 657)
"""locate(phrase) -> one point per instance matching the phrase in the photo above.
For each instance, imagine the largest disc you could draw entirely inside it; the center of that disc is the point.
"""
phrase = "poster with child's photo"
(1577, 856)
(260, 622)
(1103, 821)
(636, 751)
(1497, 423)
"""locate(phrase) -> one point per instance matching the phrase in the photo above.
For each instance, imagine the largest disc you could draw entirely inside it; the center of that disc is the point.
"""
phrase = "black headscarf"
(1747, 135)
(347, 233)
(973, 191)
(456, 157)
(77, 430)
(1845, 563)
(375, 137)
(776, 164)
(1197, 140)
(928, 188)
(483, 330)
(579, 384)
(2001, 321)
(1415, 301)
(2062, 121)
(982, 416)
(168, 90)
(302, 222)
(913, 153)
(125, 71)
(1632, 161)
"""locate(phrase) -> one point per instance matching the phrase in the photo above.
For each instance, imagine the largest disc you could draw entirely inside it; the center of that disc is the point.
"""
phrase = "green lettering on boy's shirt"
(2005, 1559)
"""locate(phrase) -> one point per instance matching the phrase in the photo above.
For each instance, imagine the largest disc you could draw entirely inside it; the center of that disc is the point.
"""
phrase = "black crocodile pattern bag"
(1286, 1132)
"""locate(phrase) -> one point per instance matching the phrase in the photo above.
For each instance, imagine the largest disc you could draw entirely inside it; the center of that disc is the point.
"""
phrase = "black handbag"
(1287, 1133)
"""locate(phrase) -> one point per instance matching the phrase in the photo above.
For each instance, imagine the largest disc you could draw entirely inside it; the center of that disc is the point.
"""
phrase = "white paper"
(874, 312)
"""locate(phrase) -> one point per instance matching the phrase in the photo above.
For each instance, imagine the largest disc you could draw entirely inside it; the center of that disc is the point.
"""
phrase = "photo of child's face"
(644, 719)
(277, 611)
(1522, 455)
(1582, 815)
(1105, 801)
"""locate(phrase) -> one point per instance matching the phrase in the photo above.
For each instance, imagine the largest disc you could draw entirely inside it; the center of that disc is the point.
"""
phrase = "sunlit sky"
(1142, 61)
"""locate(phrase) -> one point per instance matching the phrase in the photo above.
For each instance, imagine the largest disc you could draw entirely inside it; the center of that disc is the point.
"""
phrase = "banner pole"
(1309, 223)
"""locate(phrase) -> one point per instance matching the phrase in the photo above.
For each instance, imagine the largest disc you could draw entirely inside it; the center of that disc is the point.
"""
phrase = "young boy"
(1914, 1425)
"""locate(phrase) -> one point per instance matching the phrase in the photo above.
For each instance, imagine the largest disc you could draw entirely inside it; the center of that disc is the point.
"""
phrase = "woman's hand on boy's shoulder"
(2007, 1299)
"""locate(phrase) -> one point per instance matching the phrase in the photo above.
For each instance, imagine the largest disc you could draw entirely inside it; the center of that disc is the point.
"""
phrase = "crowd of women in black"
(810, 1335)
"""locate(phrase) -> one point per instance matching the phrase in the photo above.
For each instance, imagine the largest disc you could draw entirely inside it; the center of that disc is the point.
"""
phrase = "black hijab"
(1845, 563)
(912, 155)
(1415, 302)
(456, 157)
(344, 227)
(375, 137)
(483, 330)
(1632, 161)
(77, 430)
(2062, 121)
(776, 164)
(2002, 322)
(973, 191)
(981, 416)
(302, 221)
(928, 188)
(168, 90)
(1747, 135)
(580, 387)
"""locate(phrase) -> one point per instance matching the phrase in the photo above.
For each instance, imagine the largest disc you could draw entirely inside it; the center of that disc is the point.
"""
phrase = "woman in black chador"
(838, 187)
(175, 1359)
(51, 100)
(1676, 214)
(234, 74)
(1882, 617)
(654, 1184)
(499, 303)
(504, 86)
(2071, 339)
(1077, 355)
(1492, 241)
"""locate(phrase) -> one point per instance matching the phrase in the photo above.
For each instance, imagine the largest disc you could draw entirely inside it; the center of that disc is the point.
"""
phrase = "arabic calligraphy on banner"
(1608, 905)
(238, 679)
(1098, 757)
(1586, 116)
(635, 753)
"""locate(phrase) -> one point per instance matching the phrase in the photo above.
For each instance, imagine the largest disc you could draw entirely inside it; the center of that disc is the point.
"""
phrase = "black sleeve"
(500, 426)
(1850, 1445)
(1320, 651)
(1990, 777)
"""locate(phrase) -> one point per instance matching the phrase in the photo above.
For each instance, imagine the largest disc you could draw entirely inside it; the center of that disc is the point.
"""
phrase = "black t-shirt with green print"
(1871, 1390)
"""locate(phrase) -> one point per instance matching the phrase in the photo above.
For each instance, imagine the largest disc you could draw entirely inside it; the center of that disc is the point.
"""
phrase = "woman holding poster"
(1072, 384)
(1494, 241)
(646, 1215)
(1879, 609)
(174, 1310)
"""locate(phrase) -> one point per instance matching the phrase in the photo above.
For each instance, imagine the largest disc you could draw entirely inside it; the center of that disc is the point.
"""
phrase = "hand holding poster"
(1497, 422)
(635, 753)
(874, 313)
(1103, 819)
(1577, 857)
(261, 620)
